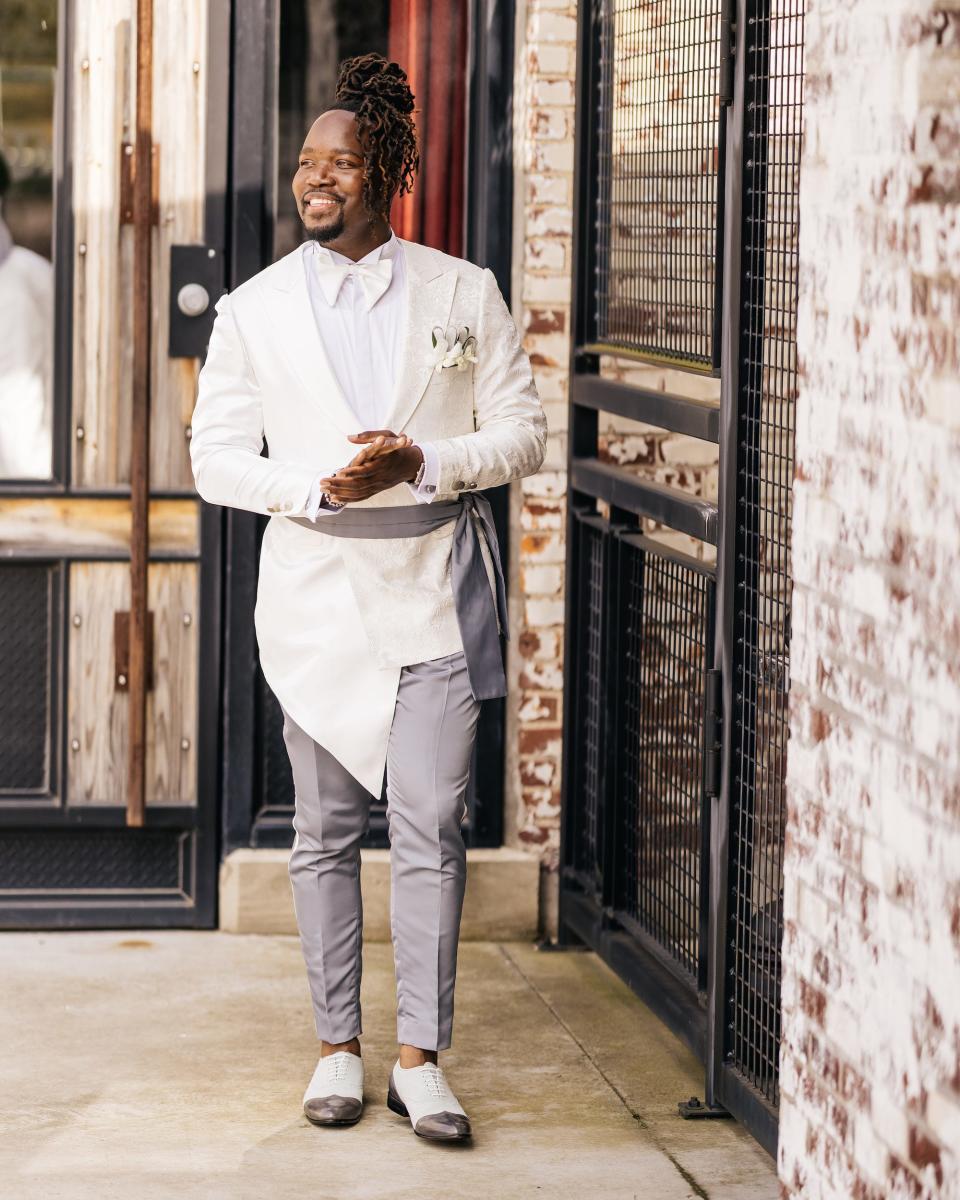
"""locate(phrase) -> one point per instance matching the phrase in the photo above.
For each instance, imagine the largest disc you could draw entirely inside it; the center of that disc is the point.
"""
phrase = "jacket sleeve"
(511, 429)
(227, 433)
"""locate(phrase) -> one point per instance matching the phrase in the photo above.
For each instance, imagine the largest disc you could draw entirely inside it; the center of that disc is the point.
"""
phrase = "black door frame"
(246, 819)
(61, 829)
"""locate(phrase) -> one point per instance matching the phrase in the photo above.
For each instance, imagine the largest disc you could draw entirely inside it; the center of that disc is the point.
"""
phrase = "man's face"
(329, 178)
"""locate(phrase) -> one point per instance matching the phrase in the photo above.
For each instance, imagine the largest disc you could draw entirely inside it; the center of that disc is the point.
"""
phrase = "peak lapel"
(287, 302)
(430, 289)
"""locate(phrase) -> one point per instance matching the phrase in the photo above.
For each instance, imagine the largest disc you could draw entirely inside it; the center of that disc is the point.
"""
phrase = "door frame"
(97, 907)
(246, 820)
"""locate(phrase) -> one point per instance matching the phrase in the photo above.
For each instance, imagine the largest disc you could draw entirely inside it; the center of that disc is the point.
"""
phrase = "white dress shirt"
(364, 344)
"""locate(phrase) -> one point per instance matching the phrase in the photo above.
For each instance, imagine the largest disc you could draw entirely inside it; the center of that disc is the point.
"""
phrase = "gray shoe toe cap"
(333, 1110)
(444, 1126)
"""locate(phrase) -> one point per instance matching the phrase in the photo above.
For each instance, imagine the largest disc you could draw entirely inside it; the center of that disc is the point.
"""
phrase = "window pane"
(315, 35)
(28, 67)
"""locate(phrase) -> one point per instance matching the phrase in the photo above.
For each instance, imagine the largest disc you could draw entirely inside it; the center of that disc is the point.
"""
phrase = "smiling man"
(390, 386)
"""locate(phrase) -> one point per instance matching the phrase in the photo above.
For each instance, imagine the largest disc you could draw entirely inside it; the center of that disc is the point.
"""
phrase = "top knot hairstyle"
(378, 93)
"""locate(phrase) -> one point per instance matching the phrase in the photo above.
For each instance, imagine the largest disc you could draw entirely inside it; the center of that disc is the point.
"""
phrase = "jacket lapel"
(288, 304)
(430, 289)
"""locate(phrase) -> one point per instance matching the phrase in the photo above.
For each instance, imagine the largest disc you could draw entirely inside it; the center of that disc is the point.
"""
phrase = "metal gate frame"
(700, 1011)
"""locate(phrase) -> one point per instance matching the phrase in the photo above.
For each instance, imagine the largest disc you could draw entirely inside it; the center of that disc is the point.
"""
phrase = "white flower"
(452, 347)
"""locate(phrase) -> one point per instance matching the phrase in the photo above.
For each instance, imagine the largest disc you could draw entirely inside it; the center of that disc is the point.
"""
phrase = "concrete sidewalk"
(154, 1066)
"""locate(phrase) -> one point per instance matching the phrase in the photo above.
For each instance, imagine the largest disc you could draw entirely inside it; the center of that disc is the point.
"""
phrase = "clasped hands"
(385, 460)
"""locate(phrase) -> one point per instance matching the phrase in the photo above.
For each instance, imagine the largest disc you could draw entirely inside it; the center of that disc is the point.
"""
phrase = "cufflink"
(458, 485)
(430, 487)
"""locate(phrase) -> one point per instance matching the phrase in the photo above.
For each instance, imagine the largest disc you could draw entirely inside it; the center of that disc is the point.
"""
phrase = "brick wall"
(871, 985)
(544, 92)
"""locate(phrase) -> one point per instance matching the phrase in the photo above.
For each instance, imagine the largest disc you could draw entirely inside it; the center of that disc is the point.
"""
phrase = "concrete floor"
(154, 1066)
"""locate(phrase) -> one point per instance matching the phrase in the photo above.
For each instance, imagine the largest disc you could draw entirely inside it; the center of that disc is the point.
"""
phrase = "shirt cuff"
(316, 507)
(427, 490)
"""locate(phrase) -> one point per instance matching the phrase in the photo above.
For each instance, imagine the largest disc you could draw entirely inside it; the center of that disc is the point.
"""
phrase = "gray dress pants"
(428, 766)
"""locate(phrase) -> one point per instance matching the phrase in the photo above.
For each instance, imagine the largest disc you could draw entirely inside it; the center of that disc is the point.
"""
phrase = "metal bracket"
(545, 946)
(128, 175)
(121, 651)
(713, 726)
(695, 1110)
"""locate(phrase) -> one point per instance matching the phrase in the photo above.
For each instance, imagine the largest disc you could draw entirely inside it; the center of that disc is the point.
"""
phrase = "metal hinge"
(712, 732)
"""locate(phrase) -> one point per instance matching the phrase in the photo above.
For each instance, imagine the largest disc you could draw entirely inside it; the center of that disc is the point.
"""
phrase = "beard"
(326, 233)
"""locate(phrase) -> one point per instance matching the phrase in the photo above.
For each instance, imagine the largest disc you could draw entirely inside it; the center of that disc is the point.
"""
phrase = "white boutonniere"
(453, 347)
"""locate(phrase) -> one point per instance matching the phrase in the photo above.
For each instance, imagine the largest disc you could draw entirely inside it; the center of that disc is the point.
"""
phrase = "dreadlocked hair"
(378, 93)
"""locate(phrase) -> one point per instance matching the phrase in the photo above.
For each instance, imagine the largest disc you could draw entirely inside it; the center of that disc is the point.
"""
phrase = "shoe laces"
(433, 1081)
(335, 1066)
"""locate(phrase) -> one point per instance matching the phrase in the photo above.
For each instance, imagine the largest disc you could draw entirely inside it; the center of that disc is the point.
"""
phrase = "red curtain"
(428, 38)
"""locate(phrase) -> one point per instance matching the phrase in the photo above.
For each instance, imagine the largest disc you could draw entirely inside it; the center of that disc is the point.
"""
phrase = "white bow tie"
(374, 278)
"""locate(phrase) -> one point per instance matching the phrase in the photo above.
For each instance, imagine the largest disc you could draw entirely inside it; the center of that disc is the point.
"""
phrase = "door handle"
(196, 280)
(193, 299)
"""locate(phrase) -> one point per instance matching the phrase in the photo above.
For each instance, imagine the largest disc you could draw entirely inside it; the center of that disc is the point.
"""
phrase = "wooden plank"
(102, 108)
(76, 526)
(179, 130)
(98, 714)
(102, 119)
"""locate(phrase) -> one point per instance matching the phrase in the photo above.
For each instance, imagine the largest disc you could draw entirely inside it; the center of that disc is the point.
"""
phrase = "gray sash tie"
(477, 611)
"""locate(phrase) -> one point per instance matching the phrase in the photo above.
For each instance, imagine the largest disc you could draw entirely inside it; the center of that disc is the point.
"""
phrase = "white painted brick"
(551, 59)
(542, 580)
(539, 612)
(943, 1117)
(545, 483)
(545, 92)
(551, 27)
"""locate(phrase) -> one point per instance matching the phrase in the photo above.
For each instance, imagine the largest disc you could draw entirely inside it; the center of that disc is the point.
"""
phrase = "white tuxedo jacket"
(336, 618)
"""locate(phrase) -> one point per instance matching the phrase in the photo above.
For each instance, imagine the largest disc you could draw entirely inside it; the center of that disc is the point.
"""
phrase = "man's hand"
(386, 459)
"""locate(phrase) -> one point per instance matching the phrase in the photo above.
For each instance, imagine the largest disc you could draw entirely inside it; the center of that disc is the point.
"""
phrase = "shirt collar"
(387, 249)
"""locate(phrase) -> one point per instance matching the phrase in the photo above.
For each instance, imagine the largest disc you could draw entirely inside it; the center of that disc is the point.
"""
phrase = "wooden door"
(69, 854)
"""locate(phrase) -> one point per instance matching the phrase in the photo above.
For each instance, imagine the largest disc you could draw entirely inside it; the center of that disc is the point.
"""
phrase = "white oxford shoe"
(334, 1095)
(423, 1095)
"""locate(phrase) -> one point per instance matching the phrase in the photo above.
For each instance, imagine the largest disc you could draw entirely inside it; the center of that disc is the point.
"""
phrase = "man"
(26, 355)
(380, 605)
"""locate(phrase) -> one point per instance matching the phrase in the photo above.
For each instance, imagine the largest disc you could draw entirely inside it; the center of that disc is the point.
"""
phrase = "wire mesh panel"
(28, 604)
(666, 627)
(658, 154)
(589, 681)
(773, 48)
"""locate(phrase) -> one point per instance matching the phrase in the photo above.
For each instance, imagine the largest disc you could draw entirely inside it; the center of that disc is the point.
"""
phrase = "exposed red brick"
(546, 320)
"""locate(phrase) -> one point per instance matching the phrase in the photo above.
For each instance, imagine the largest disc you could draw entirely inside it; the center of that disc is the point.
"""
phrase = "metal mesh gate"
(773, 69)
(666, 628)
(689, 135)
(657, 158)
